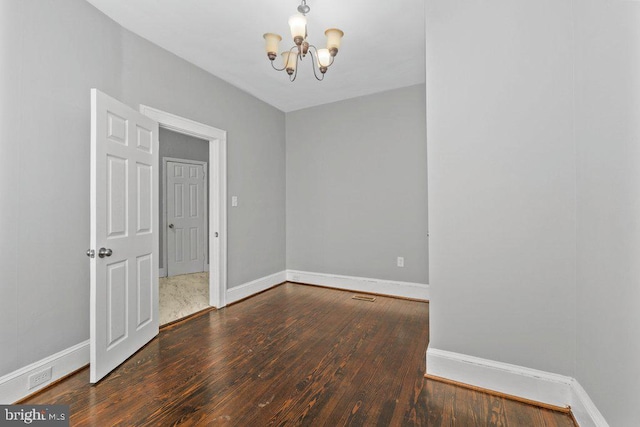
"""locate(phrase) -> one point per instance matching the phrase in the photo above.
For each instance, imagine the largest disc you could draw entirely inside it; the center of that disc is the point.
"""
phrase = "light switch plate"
(234, 201)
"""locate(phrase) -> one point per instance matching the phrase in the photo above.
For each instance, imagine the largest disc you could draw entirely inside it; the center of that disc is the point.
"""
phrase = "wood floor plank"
(451, 405)
(294, 355)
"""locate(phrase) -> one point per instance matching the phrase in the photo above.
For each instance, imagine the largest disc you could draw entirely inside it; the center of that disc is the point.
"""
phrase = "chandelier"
(321, 59)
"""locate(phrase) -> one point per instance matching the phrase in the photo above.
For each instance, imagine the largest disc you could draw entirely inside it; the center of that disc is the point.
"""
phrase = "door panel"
(124, 215)
(145, 197)
(178, 242)
(193, 200)
(145, 289)
(193, 240)
(185, 218)
(117, 303)
(117, 196)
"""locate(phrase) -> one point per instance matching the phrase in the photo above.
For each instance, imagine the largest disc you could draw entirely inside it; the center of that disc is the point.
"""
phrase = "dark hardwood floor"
(294, 355)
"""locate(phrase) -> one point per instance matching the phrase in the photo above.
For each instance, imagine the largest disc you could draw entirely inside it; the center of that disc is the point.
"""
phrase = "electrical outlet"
(400, 261)
(40, 377)
(234, 201)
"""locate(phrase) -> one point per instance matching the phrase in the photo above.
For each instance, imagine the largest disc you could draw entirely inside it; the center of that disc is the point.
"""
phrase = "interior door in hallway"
(123, 233)
(185, 218)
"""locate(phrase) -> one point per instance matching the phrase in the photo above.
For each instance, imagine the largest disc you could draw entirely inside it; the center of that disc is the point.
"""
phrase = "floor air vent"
(364, 298)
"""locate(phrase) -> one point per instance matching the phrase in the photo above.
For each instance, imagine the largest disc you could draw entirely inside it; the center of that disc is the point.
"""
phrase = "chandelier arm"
(278, 69)
(313, 63)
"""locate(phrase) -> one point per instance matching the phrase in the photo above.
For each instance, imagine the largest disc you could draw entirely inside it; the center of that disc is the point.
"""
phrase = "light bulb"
(298, 25)
(324, 57)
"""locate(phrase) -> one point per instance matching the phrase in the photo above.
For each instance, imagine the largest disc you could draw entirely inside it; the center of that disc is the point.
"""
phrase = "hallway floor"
(183, 295)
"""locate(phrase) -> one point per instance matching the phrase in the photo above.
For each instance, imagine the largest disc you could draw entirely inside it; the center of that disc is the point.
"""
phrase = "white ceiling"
(383, 47)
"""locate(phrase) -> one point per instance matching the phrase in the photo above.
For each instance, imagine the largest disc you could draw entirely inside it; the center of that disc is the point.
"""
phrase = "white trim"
(15, 385)
(532, 384)
(217, 189)
(583, 408)
(183, 125)
(503, 377)
(163, 214)
(362, 284)
(251, 288)
(162, 272)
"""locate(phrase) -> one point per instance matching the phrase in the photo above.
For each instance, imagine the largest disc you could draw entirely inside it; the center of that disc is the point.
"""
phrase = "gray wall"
(608, 203)
(52, 53)
(502, 181)
(255, 149)
(534, 184)
(356, 187)
(179, 146)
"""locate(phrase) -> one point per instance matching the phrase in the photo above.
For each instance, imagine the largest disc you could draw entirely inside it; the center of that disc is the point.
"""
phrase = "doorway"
(216, 179)
(184, 241)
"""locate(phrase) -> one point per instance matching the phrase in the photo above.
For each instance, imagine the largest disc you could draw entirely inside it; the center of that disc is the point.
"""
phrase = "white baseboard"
(362, 284)
(532, 384)
(516, 380)
(15, 385)
(583, 408)
(251, 288)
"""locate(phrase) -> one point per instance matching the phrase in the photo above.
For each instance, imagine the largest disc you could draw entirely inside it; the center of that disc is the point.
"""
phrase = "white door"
(185, 218)
(124, 218)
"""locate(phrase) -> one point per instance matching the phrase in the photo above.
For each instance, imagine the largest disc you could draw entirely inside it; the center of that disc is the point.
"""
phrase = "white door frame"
(217, 190)
(163, 214)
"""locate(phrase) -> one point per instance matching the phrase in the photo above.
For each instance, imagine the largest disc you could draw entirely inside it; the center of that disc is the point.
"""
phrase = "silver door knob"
(170, 225)
(104, 252)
